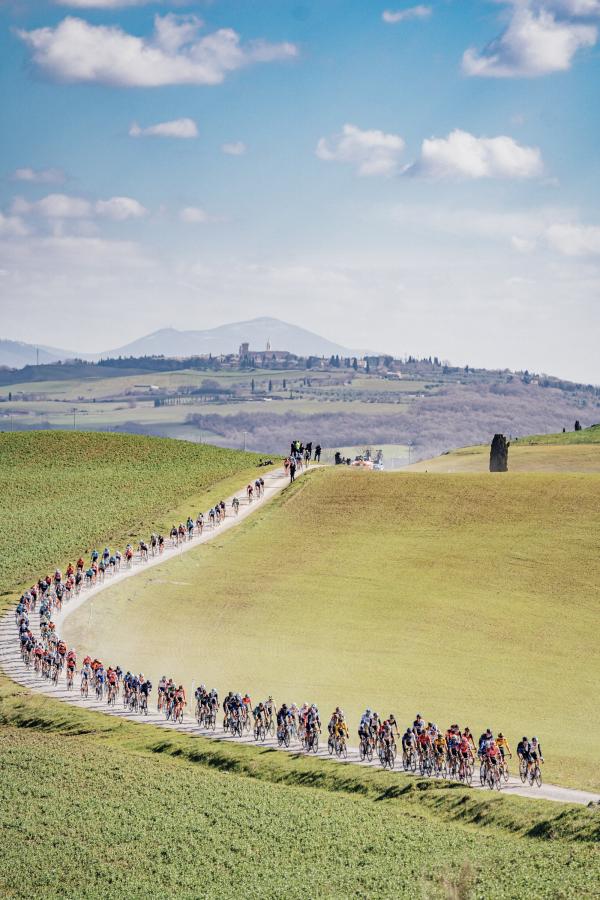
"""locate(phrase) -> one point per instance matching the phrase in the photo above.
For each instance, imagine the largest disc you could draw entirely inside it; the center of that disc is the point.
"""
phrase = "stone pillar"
(499, 454)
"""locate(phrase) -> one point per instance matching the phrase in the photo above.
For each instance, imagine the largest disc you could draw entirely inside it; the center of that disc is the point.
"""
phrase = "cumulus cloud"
(392, 17)
(462, 155)
(120, 208)
(176, 128)
(64, 206)
(12, 226)
(236, 148)
(582, 8)
(534, 43)
(39, 176)
(574, 239)
(193, 215)
(371, 152)
(54, 206)
(76, 51)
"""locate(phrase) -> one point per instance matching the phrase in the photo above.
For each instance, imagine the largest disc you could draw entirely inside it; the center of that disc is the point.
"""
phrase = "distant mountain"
(17, 354)
(227, 339)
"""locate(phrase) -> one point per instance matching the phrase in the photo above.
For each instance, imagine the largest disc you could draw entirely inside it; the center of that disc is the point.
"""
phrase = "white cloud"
(535, 43)
(574, 239)
(63, 206)
(54, 206)
(120, 208)
(39, 176)
(77, 51)
(371, 152)
(575, 7)
(235, 148)
(193, 215)
(462, 155)
(176, 128)
(523, 245)
(12, 226)
(392, 17)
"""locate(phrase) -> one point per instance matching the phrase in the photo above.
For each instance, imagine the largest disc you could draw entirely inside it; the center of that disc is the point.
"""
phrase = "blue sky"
(421, 178)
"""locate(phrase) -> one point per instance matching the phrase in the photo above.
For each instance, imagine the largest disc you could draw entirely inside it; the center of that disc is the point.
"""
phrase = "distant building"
(264, 358)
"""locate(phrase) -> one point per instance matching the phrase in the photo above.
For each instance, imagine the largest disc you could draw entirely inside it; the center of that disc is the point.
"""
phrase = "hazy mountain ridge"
(227, 339)
(223, 339)
(17, 354)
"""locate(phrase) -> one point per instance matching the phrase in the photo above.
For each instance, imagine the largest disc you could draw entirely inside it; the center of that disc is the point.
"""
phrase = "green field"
(92, 807)
(64, 492)
(466, 598)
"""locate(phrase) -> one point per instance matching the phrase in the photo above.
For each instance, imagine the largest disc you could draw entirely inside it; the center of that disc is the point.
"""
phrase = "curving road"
(15, 668)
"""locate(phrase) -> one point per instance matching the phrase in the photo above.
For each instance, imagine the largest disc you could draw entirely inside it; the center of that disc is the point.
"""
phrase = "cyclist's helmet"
(534, 739)
(500, 735)
(524, 739)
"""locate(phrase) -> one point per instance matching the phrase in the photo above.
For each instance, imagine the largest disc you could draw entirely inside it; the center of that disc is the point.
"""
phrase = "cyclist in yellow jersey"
(502, 744)
(340, 727)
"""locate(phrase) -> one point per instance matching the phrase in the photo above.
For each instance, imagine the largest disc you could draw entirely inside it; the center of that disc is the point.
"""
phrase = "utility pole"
(37, 356)
(74, 412)
(245, 433)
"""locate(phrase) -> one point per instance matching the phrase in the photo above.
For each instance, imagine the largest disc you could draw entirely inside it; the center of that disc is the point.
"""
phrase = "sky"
(414, 178)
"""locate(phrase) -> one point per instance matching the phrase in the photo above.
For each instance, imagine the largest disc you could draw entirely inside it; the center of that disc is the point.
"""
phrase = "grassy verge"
(125, 810)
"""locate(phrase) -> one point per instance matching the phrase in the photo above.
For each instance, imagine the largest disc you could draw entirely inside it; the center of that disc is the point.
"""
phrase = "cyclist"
(145, 688)
(341, 732)
(502, 743)
(179, 700)
(236, 505)
(71, 664)
(409, 743)
(535, 752)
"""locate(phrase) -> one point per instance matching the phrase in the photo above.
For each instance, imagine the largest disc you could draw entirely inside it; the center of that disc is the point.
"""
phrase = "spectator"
(292, 469)
(318, 453)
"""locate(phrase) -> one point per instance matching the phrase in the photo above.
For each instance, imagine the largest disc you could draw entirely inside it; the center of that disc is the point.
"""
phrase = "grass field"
(470, 599)
(124, 811)
(63, 492)
(574, 451)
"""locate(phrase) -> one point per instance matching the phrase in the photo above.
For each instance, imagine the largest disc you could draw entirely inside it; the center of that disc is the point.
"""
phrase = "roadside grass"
(94, 807)
(469, 598)
(65, 492)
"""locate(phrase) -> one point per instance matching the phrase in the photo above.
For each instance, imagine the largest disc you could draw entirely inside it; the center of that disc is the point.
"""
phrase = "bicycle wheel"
(330, 745)
(506, 773)
(361, 751)
(482, 774)
(538, 776)
(286, 737)
(523, 771)
(469, 774)
(369, 752)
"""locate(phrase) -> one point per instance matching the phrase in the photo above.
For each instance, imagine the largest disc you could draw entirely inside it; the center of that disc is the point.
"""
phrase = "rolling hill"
(376, 547)
(369, 589)
(574, 451)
